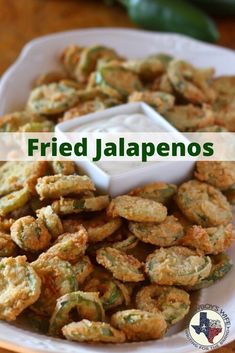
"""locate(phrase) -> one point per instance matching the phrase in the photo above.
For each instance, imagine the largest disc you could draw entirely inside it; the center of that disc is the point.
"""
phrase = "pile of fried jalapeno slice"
(83, 266)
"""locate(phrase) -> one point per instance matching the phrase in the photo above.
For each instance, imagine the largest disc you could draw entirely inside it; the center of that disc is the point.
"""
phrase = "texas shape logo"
(208, 328)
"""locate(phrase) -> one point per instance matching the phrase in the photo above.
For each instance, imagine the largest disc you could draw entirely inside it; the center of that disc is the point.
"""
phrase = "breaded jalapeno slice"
(124, 267)
(178, 266)
(203, 204)
(137, 209)
(139, 325)
(20, 286)
(90, 331)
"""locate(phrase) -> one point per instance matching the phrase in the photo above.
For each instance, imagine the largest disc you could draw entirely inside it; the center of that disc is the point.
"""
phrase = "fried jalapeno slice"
(218, 174)
(87, 304)
(203, 204)
(90, 331)
(58, 278)
(51, 221)
(82, 269)
(54, 186)
(19, 287)
(191, 83)
(137, 209)
(190, 117)
(52, 99)
(221, 265)
(70, 246)
(111, 292)
(178, 266)
(213, 240)
(117, 81)
(101, 227)
(30, 234)
(160, 101)
(7, 246)
(139, 325)
(160, 192)
(162, 234)
(63, 167)
(17, 175)
(66, 206)
(172, 302)
(124, 267)
(13, 201)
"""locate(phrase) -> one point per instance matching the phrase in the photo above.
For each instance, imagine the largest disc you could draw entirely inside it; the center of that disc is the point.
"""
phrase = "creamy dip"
(120, 123)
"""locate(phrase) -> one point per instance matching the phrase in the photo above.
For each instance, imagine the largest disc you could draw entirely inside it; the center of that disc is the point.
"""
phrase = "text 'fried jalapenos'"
(172, 302)
(163, 234)
(203, 204)
(139, 325)
(124, 267)
(87, 304)
(19, 287)
(89, 331)
(54, 186)
(178, 266)
(137, 209)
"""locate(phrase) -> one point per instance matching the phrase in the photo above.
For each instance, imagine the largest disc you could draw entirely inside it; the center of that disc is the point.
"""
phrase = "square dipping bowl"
(120, 182)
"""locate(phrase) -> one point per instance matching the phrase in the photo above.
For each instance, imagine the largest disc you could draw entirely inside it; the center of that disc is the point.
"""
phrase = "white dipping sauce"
(120, 123)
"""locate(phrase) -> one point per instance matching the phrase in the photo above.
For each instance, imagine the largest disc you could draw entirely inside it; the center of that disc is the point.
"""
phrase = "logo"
(209, 327)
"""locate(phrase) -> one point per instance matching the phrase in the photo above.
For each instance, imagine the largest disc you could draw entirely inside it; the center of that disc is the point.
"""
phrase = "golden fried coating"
(7, 246)
(124, 267)
(163, 234)
(213, 240)
(219, 174)
(58, 278)
(70, 246)
(137, 209)
(88, 331)
(160, 192)
(139, 325)
(203, 204)
(15, 175)
(172, 302)
(177, 265)
(20, 287)
(54, 186)
(30, 234)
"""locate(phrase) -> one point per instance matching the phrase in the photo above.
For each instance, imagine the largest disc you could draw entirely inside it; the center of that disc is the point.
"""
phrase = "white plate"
(40, 56)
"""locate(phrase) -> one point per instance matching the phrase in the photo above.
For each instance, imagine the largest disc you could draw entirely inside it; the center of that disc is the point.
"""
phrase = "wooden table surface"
(23, 20)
